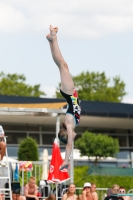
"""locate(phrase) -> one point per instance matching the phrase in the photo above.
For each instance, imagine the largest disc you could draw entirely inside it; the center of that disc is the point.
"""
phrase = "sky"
(94, 36)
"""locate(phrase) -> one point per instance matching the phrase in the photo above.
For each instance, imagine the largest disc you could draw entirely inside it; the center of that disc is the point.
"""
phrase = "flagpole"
(57, 131)
(57, 125)
(56, 191)
(55, 175)
(72, 165)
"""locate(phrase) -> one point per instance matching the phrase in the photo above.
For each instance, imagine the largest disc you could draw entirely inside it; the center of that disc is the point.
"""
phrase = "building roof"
(19, 99)
(54, 105)
(109, 109)
(91, 108)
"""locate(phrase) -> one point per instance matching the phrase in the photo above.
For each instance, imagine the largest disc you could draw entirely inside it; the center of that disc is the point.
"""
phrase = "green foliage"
(81, 176)
(14, 84)
(97, 145)
(96, 87)
(28, 150)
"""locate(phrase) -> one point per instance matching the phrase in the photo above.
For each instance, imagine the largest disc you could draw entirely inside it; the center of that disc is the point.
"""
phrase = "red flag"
(56, 175)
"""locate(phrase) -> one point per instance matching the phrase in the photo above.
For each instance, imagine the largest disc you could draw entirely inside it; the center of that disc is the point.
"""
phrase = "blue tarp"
(16, 173)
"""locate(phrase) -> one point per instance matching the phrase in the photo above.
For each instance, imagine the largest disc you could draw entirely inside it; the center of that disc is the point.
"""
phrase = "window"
(131, 141)
(122, 140)
(15, 138)
(35, 136)
(48, 138)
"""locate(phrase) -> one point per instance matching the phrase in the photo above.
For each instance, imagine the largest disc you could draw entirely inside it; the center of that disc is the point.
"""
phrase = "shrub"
(28, 150)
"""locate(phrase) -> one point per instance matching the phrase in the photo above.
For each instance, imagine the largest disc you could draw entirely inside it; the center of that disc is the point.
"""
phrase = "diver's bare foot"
(52, 34)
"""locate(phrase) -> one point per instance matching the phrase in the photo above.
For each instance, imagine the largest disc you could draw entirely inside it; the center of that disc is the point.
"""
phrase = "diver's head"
(62, 135)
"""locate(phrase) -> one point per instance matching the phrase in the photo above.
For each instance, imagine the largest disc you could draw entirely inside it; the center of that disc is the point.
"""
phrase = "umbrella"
(45, 165)
(55, 175)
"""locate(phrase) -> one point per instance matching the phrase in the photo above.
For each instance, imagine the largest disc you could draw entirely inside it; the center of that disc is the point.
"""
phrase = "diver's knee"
(63, 65)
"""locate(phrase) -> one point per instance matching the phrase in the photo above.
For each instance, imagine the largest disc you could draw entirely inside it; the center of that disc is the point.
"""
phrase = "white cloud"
(11, 20)
(128, 99)
(49, 90)
(88, 19)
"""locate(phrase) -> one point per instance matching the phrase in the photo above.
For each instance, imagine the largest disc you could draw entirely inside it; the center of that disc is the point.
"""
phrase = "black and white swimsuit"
(73, 105)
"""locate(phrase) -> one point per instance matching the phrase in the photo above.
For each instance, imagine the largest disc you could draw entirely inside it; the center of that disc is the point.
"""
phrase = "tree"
(14, 84)
(28, 150)
(96, 87)
(97, 146)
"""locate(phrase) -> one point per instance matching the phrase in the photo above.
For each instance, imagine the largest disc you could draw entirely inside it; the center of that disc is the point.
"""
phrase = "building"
(114, 119)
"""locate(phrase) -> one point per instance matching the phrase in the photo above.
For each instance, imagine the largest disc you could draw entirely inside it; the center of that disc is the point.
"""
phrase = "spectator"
(86, 193)
(122, 190)
(2, 147)
(70, 194)
(31, 190)
(114, 191)
(93, 190)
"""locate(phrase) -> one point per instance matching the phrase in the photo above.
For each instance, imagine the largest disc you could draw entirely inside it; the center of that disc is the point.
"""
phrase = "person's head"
(87, 187)
(51, 197)
(93, 187)
(62, 135)
(32, 181)
(115, 189)
(71, 188)
(122, 190)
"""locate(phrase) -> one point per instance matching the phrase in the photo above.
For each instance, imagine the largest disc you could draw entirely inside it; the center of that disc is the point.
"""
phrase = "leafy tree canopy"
(97, 87)
(28, 150)
(97, 145)
(14, 84)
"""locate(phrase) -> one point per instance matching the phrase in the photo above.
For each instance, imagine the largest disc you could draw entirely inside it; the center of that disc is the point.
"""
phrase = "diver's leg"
(67, 85)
